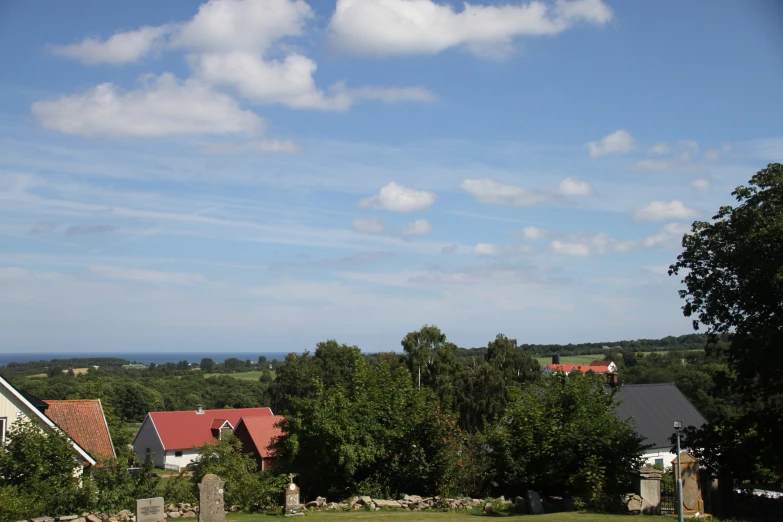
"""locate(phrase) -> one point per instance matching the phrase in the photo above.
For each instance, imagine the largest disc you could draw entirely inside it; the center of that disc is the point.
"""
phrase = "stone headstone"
(292, 504)
(210, 492)
(691, 487)
(649, 488)
(149, 509)
(534, 503)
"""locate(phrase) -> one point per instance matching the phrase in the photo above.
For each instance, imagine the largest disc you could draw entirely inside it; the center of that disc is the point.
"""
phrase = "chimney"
(199, 410)
(556, 358)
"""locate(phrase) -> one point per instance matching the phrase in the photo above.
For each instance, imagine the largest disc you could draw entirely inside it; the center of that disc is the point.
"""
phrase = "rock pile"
(170, 511)
(409, 502)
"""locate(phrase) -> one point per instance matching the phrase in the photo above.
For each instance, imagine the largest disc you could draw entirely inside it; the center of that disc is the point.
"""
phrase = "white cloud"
(701, 184)
(712, 154)
(618, 142)
(666, 235)
(230, 25)
(494, 192)
(569, 248)
(147, 276)
(121, 48)
(368, 225)
(532, 233)
(417, 227)
(660, 149)
(163, 106)
(574, 187)
(397, 198)
(394, 27)
(486, 249)
(283, 146)
(663, 210)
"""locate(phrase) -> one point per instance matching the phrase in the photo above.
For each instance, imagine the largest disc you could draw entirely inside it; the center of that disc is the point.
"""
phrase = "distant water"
(141, 357)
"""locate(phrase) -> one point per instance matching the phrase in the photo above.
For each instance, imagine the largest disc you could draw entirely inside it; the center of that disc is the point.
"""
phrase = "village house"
(84, 422)
(169, 437)
(653, 408)
(16, 406)
(256, 435)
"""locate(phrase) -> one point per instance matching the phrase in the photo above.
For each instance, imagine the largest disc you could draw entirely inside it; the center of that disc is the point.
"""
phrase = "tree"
(732, 269)
(207, 365)
(429, 352)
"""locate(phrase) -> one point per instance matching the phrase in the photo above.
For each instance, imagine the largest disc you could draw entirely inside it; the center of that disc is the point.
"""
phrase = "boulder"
(387, 503)
(521, 504)
(42, 519)
(67, 519)
(174, 514)
(189, 514)
(365, 500)
(633, 503)
(93, 518)
(534, 503)
(489, 508)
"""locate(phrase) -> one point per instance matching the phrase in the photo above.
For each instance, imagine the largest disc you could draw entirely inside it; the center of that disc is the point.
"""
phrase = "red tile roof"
(584, 368)
(184, 429)
(599, 362)
(83, 421)
(262, 431)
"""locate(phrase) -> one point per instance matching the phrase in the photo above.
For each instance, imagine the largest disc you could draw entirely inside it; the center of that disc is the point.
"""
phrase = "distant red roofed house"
(171, 435)
(568, 368)
(257, 434)
(84, 422)
(609, 364)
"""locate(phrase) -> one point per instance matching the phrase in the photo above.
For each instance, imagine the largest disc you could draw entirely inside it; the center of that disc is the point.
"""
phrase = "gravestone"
(292, 504)
(534, 503)
(691, 486)
(210, 507)
(149, 509)
(648, 487)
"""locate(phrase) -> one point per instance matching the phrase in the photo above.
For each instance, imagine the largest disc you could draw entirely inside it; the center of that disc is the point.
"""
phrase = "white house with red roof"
(256, 435)
(169, 437)
(584, 368)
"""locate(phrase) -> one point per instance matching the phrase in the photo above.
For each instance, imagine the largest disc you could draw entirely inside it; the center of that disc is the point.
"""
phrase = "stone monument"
(210, 507)
(691, 486)
(292, 504)
(149, 509)
(648, 487)
(534, 503)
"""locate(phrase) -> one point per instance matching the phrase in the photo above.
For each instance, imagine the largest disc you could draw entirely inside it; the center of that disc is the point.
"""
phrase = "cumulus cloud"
(569, 248)
(163, 106)
(88, 230)
(574, 187)
(701, 184)
(659, 149)
(584, 245)
(418, 227)
(667, 235)
(397, 198)
(532, 233)
(486, 249)
(618, 142)
(282, 146)
(486, 190)
(368, 225)
(395, 27)
(122, 47)
(664, 210)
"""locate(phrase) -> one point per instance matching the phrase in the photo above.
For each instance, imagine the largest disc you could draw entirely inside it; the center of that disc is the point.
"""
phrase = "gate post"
(648, 487)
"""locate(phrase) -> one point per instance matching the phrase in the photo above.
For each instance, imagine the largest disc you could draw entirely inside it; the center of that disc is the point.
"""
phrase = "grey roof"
(654, 408)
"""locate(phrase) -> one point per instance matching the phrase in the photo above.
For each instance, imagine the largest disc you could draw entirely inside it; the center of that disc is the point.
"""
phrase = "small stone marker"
(534, 503)
(211, 499)
(149, 509)
(292, 504)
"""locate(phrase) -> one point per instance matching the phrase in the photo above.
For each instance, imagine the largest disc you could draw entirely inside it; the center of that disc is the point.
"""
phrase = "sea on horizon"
(141, 357)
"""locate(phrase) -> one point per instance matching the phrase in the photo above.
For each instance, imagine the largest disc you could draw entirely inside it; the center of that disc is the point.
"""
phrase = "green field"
(245, 376)
(572, 359)
(437, 516)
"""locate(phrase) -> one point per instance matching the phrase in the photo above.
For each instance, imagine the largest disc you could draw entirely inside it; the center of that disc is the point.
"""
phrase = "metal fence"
(668, 493)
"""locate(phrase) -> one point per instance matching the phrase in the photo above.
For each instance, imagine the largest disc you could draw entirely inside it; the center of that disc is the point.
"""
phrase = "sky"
(264, 175)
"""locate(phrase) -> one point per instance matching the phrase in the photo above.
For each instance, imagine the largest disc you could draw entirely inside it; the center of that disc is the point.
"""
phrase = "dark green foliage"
(561, 438)
(114, 488)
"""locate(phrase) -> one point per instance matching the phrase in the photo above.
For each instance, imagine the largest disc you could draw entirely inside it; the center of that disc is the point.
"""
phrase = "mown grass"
(434, 516)
(245, 376)
(572, 359)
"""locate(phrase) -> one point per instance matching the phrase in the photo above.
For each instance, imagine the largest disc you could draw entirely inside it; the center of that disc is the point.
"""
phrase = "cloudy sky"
(263, 175)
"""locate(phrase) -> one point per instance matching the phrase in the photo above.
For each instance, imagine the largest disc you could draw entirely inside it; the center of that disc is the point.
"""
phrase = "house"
(169, 437)
(653, 409)
(15, 405)
(568, 368)
(84, 422)
(257, 434)
(609, 364)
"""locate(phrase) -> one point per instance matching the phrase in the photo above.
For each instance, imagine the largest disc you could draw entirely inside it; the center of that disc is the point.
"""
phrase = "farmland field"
(572, 359)
(245, 376)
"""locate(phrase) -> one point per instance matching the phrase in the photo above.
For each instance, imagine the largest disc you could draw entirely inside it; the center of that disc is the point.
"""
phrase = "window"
(3, 424)
(177, 453)
(659, 462)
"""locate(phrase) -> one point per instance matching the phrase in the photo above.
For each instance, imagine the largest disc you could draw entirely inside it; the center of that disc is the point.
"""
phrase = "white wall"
(174, 462)
(148, 438)
(651, 456)
(11, 409)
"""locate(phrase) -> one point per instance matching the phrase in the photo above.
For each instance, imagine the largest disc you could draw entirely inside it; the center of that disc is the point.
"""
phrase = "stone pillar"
(691, 486)
(648, 487)
(210, 506)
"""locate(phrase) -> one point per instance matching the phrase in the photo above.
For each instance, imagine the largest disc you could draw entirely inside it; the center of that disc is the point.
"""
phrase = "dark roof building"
(654, 408)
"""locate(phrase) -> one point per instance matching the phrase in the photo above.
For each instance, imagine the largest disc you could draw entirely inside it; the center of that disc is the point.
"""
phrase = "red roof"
(599, 362)
(262, 431)
(584, 368)
(83, 421)
(218, 423)
(184, 429)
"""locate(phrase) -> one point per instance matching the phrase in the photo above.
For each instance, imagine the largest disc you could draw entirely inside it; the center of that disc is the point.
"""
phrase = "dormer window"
(220, 426)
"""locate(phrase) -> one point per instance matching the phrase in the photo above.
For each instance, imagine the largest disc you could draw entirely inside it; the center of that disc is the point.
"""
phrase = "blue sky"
(263, 175)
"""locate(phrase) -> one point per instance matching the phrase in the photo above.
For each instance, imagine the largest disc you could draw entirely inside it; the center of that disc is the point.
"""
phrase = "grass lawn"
(436, 516)
(573, 359)
(245, 376)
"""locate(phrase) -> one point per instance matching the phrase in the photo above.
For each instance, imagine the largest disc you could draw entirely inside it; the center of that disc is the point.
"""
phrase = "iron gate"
(668, 493)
